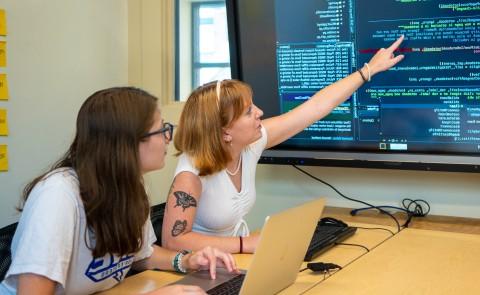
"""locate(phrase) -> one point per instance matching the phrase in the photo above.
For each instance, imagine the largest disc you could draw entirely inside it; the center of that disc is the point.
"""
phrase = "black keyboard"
(325, 237)
(230, 287)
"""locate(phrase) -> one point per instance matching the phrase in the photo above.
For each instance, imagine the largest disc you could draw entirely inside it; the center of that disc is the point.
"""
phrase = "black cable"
(356, 245)
(413, 208)
(377, 228)
(348, 198)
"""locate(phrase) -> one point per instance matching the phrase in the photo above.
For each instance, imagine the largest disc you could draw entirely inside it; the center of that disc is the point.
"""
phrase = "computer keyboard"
(325, 237)
(230, 287)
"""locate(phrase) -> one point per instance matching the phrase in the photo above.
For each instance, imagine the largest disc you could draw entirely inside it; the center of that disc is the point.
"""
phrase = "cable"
(321, 267)
(413, 208)
(378, 228)
(348, 198)
(356, 245)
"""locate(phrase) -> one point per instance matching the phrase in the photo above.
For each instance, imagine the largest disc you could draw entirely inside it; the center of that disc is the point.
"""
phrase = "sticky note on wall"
(3, 157)
(3, 122)
(3, 23)
(3, 87)
(3, 54)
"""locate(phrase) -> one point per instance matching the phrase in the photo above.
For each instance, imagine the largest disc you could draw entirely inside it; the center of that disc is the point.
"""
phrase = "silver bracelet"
(369, 72)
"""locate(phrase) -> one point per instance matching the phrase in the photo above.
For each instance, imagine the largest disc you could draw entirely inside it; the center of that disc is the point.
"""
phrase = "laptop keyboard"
(325, 237)
(230, 287)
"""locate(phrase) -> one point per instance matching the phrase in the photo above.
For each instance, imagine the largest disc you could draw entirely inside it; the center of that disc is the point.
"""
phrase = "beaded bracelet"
(177, 261)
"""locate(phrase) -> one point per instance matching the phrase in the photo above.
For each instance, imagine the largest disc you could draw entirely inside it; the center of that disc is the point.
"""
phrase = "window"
(202, 46)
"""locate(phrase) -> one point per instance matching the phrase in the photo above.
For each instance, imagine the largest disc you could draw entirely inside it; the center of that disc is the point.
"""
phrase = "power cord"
(413, 208)
(348, 198)
(377, 228)
(355, 245)
(321, 267)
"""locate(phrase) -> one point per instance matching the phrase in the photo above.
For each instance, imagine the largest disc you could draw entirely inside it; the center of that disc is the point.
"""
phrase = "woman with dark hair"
(86, 222)
(220, 139)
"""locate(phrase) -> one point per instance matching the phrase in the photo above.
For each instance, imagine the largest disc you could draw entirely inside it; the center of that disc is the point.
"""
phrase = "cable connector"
(322, 266)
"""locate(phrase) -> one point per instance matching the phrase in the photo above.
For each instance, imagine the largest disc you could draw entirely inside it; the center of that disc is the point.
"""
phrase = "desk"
(413, 262)
(341, 255)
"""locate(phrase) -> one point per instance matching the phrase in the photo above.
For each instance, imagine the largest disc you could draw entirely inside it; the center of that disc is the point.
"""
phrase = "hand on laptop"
(210, 258)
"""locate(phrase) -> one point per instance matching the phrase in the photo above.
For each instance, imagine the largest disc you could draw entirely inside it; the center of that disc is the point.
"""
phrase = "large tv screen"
(422, 114)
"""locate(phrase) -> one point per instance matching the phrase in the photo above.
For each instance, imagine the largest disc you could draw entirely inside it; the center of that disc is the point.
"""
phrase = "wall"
(151, 67)
(453, 194)
(58, 53)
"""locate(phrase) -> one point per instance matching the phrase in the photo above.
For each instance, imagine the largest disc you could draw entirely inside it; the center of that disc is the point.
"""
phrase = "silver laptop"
(282, 246)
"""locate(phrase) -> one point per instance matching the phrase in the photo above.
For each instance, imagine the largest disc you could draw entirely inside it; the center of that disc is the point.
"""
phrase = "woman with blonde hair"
(220, 139)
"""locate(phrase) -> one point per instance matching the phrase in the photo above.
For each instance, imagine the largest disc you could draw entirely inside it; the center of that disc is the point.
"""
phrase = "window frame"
(194, 65)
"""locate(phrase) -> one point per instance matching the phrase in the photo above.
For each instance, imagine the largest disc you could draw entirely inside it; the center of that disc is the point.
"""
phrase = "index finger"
(395, 44)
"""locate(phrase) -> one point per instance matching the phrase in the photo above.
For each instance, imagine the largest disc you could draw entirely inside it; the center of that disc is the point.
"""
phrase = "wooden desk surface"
(413, 262)
(340, 254)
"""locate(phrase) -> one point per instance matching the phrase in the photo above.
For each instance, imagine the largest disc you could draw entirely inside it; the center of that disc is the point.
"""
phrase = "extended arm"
(180, 213)
(282, 127)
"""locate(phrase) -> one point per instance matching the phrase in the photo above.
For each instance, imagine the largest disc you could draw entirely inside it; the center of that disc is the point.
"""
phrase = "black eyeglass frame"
(166, 129)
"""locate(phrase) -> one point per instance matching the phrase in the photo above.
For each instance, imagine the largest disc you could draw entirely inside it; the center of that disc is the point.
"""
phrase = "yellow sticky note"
(3, 54)
(3, 157)
(3, 23)
(3, 87)
(3, 122)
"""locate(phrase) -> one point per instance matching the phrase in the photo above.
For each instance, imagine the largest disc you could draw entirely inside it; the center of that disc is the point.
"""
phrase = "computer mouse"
(332, 222)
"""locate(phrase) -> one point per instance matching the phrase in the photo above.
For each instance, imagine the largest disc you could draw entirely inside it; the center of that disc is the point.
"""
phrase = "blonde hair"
(203, 118)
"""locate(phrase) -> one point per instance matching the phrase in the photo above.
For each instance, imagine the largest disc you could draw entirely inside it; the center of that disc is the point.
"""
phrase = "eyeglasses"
(166, 130)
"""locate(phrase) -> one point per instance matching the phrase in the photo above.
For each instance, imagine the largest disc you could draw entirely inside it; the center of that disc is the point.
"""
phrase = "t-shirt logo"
(103, 268)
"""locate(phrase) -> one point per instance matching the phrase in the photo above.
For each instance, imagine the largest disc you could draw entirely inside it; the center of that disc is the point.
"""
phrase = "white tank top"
(221, 208)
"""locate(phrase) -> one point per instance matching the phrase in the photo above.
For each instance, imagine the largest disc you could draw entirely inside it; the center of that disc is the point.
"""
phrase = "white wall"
(452, 194)
(58, 53)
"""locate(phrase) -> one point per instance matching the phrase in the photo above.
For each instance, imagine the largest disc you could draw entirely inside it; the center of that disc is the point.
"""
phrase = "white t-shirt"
(50, 241)
(221, 208)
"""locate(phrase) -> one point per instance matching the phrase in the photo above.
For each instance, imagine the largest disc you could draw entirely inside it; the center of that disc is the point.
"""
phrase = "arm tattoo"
(179, 227)
(184, 200)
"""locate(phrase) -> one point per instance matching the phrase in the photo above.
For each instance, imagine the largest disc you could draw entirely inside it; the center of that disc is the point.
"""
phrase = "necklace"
(236, 170)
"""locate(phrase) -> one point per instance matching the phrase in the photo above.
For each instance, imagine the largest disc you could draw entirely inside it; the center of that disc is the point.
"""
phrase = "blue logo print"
(103, 268)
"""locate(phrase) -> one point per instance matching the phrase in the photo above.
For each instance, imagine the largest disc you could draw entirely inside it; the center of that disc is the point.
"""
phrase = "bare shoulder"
(187, 181)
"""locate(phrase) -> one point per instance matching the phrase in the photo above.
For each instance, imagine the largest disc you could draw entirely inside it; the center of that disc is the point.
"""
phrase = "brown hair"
(105, 156)
(200, 129)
